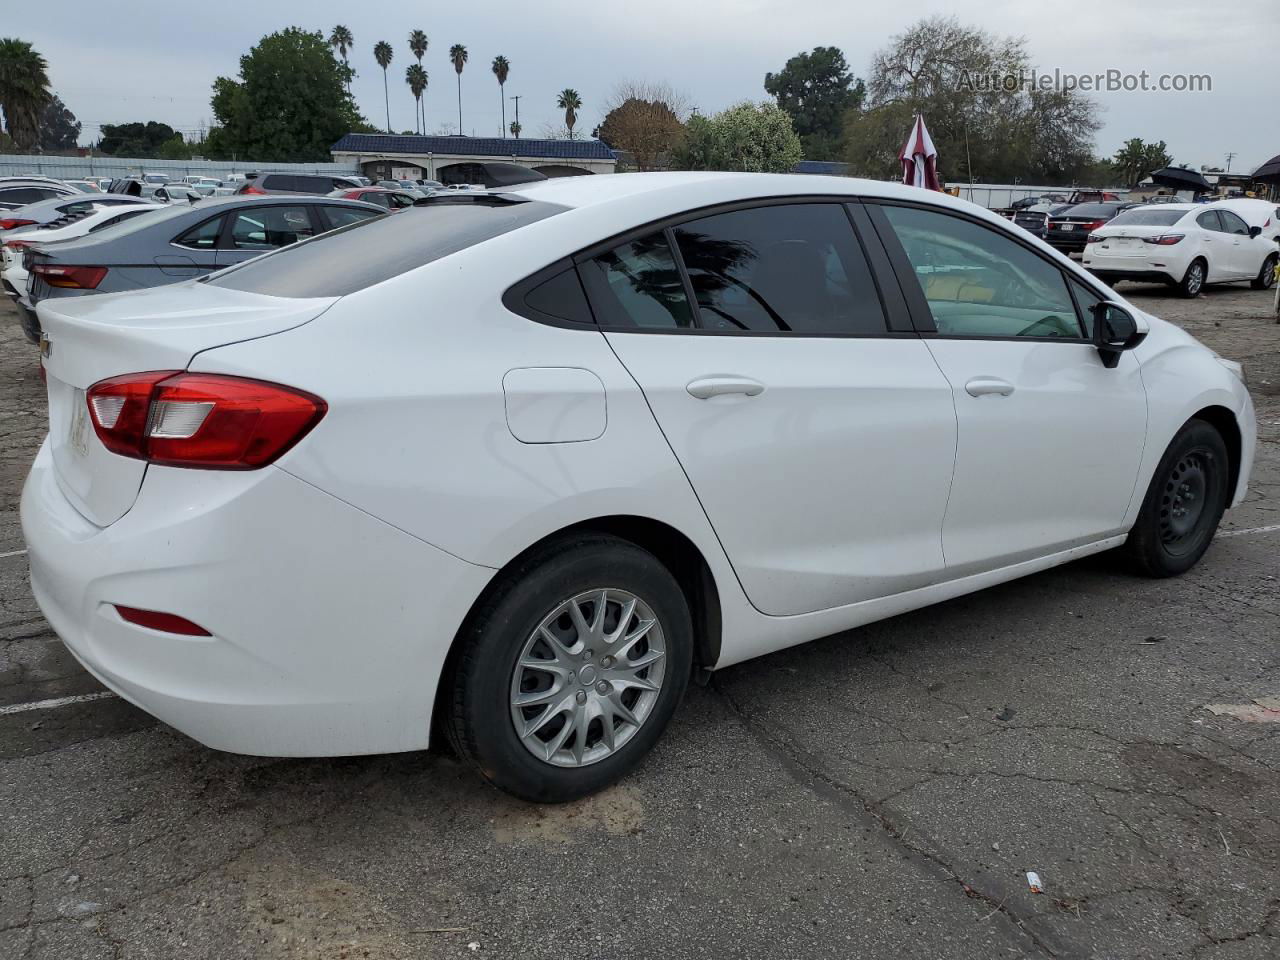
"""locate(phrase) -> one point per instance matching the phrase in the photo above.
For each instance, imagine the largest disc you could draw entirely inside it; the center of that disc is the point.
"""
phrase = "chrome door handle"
(987, 386)
(704, 388)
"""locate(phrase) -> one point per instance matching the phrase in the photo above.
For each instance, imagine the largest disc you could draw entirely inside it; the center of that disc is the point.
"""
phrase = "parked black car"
(178, 243)
(1068, 230)
(316, 184)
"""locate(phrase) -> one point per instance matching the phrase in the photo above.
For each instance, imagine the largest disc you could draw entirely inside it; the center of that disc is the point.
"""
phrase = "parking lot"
(881, 793)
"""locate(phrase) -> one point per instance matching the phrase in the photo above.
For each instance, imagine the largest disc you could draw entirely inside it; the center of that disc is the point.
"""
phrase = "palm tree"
(515, 128)
(383, 53)
(458, 54)
(570, 103)
(501, 68)
(342, 40)
(24, 90)
(418, 44)
(416, 78)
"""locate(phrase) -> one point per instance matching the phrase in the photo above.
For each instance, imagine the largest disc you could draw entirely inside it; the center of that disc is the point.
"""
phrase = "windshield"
(343, 261)
(1145, 217)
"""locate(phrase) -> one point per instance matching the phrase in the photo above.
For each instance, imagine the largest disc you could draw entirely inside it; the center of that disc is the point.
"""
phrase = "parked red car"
(393, 200)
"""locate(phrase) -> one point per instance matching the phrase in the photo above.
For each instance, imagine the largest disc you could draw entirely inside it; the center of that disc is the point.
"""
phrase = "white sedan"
(508, 467)
(1186, 245)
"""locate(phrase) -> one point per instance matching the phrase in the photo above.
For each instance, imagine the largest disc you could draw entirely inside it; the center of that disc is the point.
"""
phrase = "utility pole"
(516, 98)
(1230, 156)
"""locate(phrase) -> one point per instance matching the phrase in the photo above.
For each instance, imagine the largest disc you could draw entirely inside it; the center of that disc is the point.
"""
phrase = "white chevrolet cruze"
(508, 468)
(1186, 245)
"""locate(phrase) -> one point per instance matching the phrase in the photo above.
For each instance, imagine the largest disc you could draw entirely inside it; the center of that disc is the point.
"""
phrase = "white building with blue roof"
(449, 159)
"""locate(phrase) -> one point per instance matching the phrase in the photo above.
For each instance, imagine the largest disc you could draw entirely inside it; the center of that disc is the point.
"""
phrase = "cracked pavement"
(880, 793)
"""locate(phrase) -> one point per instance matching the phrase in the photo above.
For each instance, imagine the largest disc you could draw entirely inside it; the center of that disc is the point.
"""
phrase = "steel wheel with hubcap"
(588, 677)
(569, 669)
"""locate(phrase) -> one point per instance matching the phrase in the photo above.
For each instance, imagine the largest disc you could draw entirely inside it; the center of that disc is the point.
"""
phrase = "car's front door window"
(979, 283)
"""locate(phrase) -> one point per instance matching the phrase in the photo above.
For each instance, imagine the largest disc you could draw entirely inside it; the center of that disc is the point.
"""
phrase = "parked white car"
(1257, 213)
(1182, 244)
(508, 466)
(13, 275)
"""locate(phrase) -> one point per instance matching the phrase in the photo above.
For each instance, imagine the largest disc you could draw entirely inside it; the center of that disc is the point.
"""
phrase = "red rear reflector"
(167, 622)
(78, 278)
(200, 419)
(10, 223)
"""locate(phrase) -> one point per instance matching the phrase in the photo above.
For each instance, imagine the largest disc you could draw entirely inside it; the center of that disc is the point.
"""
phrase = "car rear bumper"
(1113, 274)
(329, 627)
(1073, 244)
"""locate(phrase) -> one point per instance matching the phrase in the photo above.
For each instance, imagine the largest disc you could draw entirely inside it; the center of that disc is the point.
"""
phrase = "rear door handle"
(704, 388)
(988, 386)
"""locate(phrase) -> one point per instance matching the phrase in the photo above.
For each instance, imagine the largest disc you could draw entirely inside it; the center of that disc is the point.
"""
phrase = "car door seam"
(955, 452)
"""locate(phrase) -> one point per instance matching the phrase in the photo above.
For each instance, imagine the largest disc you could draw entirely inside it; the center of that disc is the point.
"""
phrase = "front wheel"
(1184, 503)
(570, 671)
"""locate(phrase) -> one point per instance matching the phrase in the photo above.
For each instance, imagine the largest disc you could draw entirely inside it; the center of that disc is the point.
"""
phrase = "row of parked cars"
(1185, 245)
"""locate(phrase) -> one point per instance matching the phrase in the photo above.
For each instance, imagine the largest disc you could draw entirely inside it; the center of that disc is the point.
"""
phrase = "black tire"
(1194, 279)
(479, 685)
(1266, 276)
(1184, 503)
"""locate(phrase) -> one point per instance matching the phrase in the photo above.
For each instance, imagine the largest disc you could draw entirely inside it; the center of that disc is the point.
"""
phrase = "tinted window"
(637, 284)
(203, 236)
(118, 218)
(1209, 220)
(561, 298)
(793, 268)
(374, 197)
(265, 228)
(1096, 211)
(343, 216)
(340, 262)
(980, 283)
(1233, 224)
(400, 200)
(1143, 217)
(25, 195)
(1086, 299)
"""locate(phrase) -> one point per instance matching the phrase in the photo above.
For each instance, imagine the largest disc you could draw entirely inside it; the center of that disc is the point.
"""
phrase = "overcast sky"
(158, 60)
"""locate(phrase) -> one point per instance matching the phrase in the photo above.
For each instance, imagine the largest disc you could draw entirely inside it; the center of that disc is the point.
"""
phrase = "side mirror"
(1114, 331)
(1255, 231)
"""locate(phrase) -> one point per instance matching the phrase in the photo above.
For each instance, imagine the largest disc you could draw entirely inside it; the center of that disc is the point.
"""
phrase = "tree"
(24, 91)
(342, 40)
(59, 128)
(985, 121)
(383, 54)
(501, 70)
(816, 90)
(418, 43)
(458, 55)
(175, 148)
(289, 104)
(646, 120)
(569, 101)
(135, 139)
(416, 78)
(515, 128)
(757, 138)
(1136, 159)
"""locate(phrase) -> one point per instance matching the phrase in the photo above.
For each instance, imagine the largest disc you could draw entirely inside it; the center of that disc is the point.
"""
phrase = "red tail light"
(1093, 225)
(1164, 240)
(167, 622)
(1093, 238)
(252, 189)
(76, 278)
(9, 223)
(16, 244)
(200, 419)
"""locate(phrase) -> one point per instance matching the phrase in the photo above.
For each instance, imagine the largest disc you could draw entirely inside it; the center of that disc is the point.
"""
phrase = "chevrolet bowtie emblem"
(46, 346)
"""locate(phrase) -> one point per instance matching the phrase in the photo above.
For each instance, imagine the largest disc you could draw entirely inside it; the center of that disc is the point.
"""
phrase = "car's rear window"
(1142, 217)
(358, 256)
(1090, 210)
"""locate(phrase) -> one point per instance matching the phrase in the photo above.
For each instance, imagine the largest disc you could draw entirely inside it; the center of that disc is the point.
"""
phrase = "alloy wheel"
(1195, 278)
(588, 677)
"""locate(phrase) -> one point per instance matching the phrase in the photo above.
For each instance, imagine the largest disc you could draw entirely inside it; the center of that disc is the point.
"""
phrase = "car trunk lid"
(88, 339)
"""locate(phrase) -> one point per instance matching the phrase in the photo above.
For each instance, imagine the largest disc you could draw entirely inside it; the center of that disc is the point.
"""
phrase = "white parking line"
(56, 702)
(1241, 533)
(13, 553)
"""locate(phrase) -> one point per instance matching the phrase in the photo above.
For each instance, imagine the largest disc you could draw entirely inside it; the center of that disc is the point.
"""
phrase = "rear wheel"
(1193, 280)
(1266, 276)
(571, 670)
(1184, 503)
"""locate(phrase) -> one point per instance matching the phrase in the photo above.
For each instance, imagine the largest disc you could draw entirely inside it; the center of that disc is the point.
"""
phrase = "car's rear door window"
(203, 236)
(266, 228)
(337, 216)
(638, 284)
(1209, 221)
(780, 268)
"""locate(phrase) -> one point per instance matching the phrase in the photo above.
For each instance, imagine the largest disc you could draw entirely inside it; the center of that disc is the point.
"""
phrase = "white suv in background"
(1186, 245)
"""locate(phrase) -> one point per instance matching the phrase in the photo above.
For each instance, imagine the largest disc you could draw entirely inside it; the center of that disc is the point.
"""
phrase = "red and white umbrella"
(920, 159)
